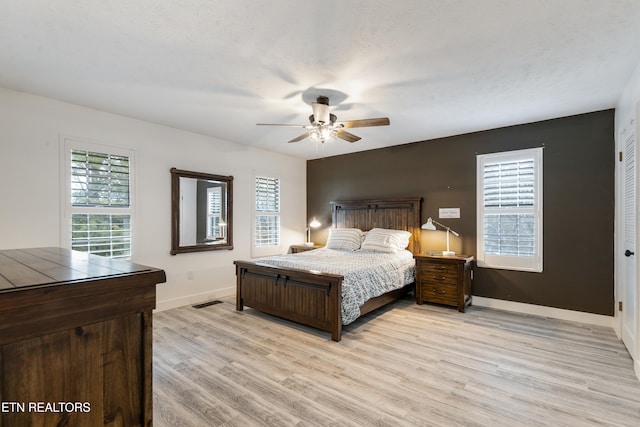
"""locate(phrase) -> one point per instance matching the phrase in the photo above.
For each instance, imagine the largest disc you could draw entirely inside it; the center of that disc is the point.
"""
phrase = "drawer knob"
(438, 291)
(439, 278)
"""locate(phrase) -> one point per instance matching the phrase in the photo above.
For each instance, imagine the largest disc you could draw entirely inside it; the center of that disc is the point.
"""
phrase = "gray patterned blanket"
(367, 274)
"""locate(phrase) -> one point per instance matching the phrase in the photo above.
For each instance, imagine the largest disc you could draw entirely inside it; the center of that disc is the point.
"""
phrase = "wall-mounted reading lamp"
(429, 226)
(313, 224)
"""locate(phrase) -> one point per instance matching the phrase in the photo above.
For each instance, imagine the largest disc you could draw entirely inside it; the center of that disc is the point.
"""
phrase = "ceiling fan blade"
(280, 124)
(343, 134)
(301, 137)
(382, 121)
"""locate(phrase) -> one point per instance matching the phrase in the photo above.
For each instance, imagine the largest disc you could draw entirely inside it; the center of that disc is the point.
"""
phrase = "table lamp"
(429, 225)
(313, 224)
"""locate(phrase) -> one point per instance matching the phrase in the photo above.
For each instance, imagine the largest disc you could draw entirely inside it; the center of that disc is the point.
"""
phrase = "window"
(99, 202)
(509, 186)
(267, 215)
(214, 213)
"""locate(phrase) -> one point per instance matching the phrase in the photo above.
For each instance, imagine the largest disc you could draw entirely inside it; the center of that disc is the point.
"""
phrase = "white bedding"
(367, 274)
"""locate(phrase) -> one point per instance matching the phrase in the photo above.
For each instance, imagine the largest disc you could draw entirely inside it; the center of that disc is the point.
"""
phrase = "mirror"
(201, 212)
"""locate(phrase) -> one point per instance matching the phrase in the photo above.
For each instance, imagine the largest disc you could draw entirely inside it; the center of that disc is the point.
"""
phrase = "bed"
(315, 298)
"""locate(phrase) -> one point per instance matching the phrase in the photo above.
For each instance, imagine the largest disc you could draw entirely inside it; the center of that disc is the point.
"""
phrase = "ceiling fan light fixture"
(322, 133)
(325, 132)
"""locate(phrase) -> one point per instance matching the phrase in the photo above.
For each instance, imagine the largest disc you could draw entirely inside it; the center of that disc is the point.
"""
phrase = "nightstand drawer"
(437, 268)
(439, 278)
(443, 294)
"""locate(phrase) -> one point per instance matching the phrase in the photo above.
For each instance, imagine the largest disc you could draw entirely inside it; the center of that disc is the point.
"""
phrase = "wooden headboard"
(396, 214)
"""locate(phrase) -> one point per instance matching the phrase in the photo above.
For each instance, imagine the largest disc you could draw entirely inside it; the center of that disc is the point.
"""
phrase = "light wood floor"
(401, 366)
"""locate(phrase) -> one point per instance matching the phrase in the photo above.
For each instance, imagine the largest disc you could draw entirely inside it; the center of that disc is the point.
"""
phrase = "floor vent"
(206, 304)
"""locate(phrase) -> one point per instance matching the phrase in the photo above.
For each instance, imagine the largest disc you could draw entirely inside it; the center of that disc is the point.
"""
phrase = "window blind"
(101, 234)
(100, 182)
(267, 194)
(509, 186)
(99, 179)
(214, 212)
(267, 228)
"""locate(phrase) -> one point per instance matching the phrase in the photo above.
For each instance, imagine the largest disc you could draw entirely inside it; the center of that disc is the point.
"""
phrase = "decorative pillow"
(344, 238)
(384, 240)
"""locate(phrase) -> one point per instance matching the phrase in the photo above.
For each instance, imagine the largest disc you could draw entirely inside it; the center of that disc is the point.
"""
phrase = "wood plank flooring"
(404, 365)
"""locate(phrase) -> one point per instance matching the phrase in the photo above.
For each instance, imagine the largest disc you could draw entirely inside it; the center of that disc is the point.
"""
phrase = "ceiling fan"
(324, 125)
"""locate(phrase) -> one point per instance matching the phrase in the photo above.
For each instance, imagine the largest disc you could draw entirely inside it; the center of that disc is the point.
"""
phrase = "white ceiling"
(434, 67)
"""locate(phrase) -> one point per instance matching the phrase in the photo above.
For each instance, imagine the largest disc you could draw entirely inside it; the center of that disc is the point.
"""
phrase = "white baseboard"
(194, 299)
(540, 310)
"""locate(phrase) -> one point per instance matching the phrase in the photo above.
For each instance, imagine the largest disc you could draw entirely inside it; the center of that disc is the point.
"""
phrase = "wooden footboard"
(307, 297)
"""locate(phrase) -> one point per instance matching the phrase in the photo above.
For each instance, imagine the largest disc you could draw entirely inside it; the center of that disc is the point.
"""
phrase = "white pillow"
(384, 240)
(344, 238)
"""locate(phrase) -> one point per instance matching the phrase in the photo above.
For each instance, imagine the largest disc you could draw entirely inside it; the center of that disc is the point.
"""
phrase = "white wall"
(626, 107)
(31, 202)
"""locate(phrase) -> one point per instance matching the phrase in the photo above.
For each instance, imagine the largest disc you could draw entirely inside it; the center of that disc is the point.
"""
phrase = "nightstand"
(444, 279)
(294, 249)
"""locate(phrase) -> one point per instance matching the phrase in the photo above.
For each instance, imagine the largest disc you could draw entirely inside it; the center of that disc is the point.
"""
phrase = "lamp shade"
(428, 225)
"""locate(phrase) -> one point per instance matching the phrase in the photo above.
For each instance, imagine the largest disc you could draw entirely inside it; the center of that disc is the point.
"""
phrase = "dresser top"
(22, 269)
(436, 256)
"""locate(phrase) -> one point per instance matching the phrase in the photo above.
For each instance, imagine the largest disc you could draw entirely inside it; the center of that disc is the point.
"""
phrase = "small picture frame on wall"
(449, 213)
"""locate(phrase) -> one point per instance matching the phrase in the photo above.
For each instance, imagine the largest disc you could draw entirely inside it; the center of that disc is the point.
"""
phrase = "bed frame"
(313, 298)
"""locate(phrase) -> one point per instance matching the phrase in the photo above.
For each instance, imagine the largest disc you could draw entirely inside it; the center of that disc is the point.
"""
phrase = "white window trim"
(68, 143)
(261, 251)
(532, 264)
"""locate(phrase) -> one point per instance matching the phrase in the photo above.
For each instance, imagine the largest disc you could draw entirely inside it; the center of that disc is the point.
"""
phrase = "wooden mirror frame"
(176, 248)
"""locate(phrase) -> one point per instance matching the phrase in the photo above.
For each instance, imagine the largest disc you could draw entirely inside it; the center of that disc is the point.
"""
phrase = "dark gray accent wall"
(578, 194)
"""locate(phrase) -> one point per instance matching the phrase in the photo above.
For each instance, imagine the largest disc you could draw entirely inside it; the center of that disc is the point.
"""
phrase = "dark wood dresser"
(444, 279)
(75, 339)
